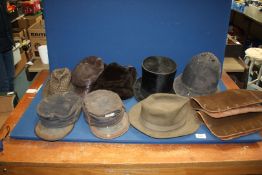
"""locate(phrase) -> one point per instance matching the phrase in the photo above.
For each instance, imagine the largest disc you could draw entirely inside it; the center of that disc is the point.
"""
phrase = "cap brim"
(191, 124)
(52, 134)
(112, 131)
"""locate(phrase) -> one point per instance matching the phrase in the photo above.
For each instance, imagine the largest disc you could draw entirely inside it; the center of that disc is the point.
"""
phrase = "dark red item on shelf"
(31, 7)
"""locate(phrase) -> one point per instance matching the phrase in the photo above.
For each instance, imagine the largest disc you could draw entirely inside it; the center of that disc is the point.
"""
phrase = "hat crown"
(163, 109)
(159, 64)
(87, 71)
(202, 74)
(59, 105)
(59, 80)
(61, 74)
(102, 103)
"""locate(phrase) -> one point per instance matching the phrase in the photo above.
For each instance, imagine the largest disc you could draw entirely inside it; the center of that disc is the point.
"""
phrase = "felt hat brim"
(190, 126)
(181, 89)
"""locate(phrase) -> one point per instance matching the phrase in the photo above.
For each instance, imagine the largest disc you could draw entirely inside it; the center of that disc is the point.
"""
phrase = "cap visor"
(112, 131)
(52, 134)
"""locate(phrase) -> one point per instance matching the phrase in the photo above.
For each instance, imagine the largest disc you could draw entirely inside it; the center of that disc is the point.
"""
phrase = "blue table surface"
(81, 132)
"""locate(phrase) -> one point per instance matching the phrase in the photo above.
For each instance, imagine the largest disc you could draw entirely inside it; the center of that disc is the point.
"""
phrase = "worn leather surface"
(233, 126)
(228, 103)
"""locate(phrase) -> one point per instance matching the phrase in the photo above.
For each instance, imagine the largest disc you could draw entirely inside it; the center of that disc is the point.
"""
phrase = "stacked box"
(19, 35)
(37, 37)
(27, 21)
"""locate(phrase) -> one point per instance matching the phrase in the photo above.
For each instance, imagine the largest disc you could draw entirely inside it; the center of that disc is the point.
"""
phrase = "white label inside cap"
(110, 115)
(201, 136)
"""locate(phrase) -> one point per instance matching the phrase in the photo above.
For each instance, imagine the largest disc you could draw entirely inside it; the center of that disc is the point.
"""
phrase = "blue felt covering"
(127, 31)
(81, 132)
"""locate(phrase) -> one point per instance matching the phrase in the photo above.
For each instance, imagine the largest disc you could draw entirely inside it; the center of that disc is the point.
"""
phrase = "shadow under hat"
(118, 79)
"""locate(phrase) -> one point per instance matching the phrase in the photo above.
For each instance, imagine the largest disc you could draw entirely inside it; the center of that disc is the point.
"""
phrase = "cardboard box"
(16, 53)
(233, 47)
(35, 44)
(27, 21)
(37, 31)
(19, 34)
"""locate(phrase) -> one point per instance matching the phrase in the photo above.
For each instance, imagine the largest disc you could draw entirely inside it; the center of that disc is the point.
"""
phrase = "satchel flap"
(228, 100)
(233, 126)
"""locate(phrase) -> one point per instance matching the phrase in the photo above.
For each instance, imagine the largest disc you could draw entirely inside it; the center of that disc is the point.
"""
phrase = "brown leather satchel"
(232, 113)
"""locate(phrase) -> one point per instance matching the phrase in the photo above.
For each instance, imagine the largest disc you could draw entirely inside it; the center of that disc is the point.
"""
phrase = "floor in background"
(21, 84)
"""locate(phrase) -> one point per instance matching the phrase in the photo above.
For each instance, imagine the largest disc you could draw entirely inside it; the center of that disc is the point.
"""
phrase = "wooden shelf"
(38, 66)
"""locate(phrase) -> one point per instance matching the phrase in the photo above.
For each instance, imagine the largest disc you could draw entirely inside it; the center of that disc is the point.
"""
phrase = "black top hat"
(158, 74)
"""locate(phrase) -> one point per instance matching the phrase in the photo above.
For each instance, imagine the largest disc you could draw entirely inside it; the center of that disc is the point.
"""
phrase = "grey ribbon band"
(56, 122)
(105, 121)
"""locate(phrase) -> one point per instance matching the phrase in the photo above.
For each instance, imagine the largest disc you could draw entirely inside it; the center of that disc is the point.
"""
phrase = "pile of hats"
(200, 76)
(65, 92)
(99, 89)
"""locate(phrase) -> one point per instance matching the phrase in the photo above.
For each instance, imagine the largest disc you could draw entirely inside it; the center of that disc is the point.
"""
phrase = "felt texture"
(105, 113)
(164, 115)
(200, 76)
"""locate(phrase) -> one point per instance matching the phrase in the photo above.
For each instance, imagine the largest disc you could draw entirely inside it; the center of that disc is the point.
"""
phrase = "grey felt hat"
(105, 114)
(200, 76)
(163, 115)
(57, 115)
